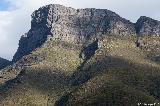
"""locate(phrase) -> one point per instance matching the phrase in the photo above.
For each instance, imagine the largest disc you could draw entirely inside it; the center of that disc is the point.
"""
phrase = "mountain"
(83, 57)
(71, 25)
(147, 26)
(78, 25)
(4, 63)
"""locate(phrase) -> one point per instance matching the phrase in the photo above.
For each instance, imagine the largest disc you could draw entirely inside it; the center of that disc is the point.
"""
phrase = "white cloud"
(16, 21)
(6, 45)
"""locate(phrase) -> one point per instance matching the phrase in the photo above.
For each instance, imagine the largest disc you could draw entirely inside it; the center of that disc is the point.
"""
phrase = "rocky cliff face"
(78, 25)
(78, 64)
(71, 25)
(3, 63)
(147, 26)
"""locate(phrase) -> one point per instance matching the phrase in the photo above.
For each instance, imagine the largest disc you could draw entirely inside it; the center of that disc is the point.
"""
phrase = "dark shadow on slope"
(4, 63)
(156, 59)
(10, 83)
(30, 42)
(142, 77)
(63, 100)
(110, 94)
(89, 50)
(139, 82)
(46, 80)
(98, 67)
(50, 77)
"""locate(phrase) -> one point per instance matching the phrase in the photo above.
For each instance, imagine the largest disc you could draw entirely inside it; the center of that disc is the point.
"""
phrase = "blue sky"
(15, 15)
(4, 5)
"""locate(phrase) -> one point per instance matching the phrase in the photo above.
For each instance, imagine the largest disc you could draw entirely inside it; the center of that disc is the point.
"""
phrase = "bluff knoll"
(84, 57)
(78, 25)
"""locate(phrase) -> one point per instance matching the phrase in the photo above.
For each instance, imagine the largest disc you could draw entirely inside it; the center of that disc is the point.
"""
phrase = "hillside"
(3, 63)
(119, 73)
(71, 25)
(84, 57)
(39, 78)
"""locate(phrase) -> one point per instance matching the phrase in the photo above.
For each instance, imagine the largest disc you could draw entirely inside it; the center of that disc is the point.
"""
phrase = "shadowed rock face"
(4, 63)
(147, 26)
(78, 25)
(71, 25)
(89, 50)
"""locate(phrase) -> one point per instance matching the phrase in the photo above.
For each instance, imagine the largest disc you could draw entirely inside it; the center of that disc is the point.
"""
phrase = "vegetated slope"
(151, 46)
(119, 73)
(3, 63)
(69, 57)
(42, 76)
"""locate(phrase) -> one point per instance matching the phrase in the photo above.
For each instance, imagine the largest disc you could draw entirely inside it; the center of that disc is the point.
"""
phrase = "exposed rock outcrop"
(89, 50)
(147, 26)
(71, 25)
(4, 63)
(79, 25)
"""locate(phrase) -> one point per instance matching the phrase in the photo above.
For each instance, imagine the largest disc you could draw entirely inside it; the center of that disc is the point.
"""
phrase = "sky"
(15, 16)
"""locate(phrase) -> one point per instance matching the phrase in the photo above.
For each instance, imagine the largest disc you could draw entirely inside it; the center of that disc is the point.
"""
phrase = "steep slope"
(147, 26)
(41, 77)
(71, 25)
(4, 63)
(152, 48)
(119, 74)
(82, 57)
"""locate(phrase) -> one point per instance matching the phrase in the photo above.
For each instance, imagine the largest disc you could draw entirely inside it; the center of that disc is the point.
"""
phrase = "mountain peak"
(83, 57)
(146, 18)
(67, 24)
(71, 25)
(147, 26)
